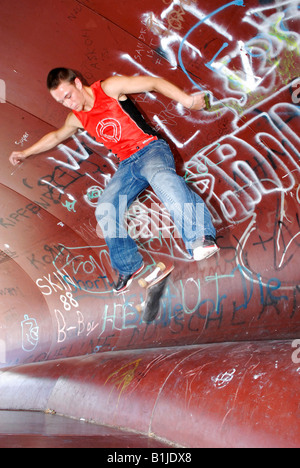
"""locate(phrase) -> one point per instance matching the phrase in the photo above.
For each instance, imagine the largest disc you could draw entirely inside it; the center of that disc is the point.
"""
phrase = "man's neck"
(89, 99)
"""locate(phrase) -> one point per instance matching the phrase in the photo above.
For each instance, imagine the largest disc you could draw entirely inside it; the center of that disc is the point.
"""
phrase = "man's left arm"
(119, 86)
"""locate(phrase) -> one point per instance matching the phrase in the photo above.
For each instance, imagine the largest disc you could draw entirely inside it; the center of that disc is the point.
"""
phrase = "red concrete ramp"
(217, 395)
(221, 358)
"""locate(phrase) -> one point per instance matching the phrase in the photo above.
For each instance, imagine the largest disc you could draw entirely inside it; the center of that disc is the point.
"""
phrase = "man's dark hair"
(58, 75)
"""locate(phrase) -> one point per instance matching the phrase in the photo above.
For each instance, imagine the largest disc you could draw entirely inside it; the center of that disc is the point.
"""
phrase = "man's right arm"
(49, 141)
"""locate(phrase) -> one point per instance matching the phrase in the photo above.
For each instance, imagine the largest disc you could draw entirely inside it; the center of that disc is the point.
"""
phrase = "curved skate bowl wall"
(241, 156)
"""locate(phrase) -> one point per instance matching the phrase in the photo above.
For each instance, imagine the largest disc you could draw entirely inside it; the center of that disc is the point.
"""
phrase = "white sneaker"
(206, 250)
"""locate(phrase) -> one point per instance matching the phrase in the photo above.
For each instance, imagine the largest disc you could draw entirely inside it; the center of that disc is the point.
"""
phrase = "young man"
(105, 111)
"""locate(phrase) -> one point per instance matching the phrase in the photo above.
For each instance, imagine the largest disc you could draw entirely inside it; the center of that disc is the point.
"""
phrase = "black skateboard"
(155, 285)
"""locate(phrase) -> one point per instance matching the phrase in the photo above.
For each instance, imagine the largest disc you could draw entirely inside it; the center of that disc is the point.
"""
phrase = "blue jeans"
(153, 165)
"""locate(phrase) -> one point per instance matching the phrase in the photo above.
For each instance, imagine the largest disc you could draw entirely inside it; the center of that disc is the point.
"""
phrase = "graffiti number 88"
(68, 301)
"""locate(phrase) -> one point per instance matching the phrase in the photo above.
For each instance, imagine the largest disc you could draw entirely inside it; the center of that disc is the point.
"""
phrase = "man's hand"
(49, 141)
(198, 102)
(17, 157)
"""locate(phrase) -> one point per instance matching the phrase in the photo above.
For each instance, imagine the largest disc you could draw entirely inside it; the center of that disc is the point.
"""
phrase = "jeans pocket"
(158, 159)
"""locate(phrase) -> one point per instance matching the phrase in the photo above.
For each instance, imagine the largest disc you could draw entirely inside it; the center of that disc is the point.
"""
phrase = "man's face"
(70, 95)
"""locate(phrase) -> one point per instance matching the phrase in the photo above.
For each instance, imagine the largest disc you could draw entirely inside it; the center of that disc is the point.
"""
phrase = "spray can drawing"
(30, 334)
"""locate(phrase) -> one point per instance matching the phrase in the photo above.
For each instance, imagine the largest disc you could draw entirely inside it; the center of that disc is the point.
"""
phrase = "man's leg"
(113, 204)
(189, 212)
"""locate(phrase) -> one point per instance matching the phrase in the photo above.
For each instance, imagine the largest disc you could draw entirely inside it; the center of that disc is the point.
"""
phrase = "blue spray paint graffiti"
(237, 3)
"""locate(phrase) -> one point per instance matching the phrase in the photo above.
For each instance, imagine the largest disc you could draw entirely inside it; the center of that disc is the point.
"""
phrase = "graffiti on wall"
(241, 156)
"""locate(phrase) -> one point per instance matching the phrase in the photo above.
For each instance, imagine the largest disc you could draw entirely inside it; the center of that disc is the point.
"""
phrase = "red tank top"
(111, 123)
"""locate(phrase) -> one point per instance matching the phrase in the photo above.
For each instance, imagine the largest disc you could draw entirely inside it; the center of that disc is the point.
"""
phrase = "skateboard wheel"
(139, 308)
(161, 266)
(143, 283)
